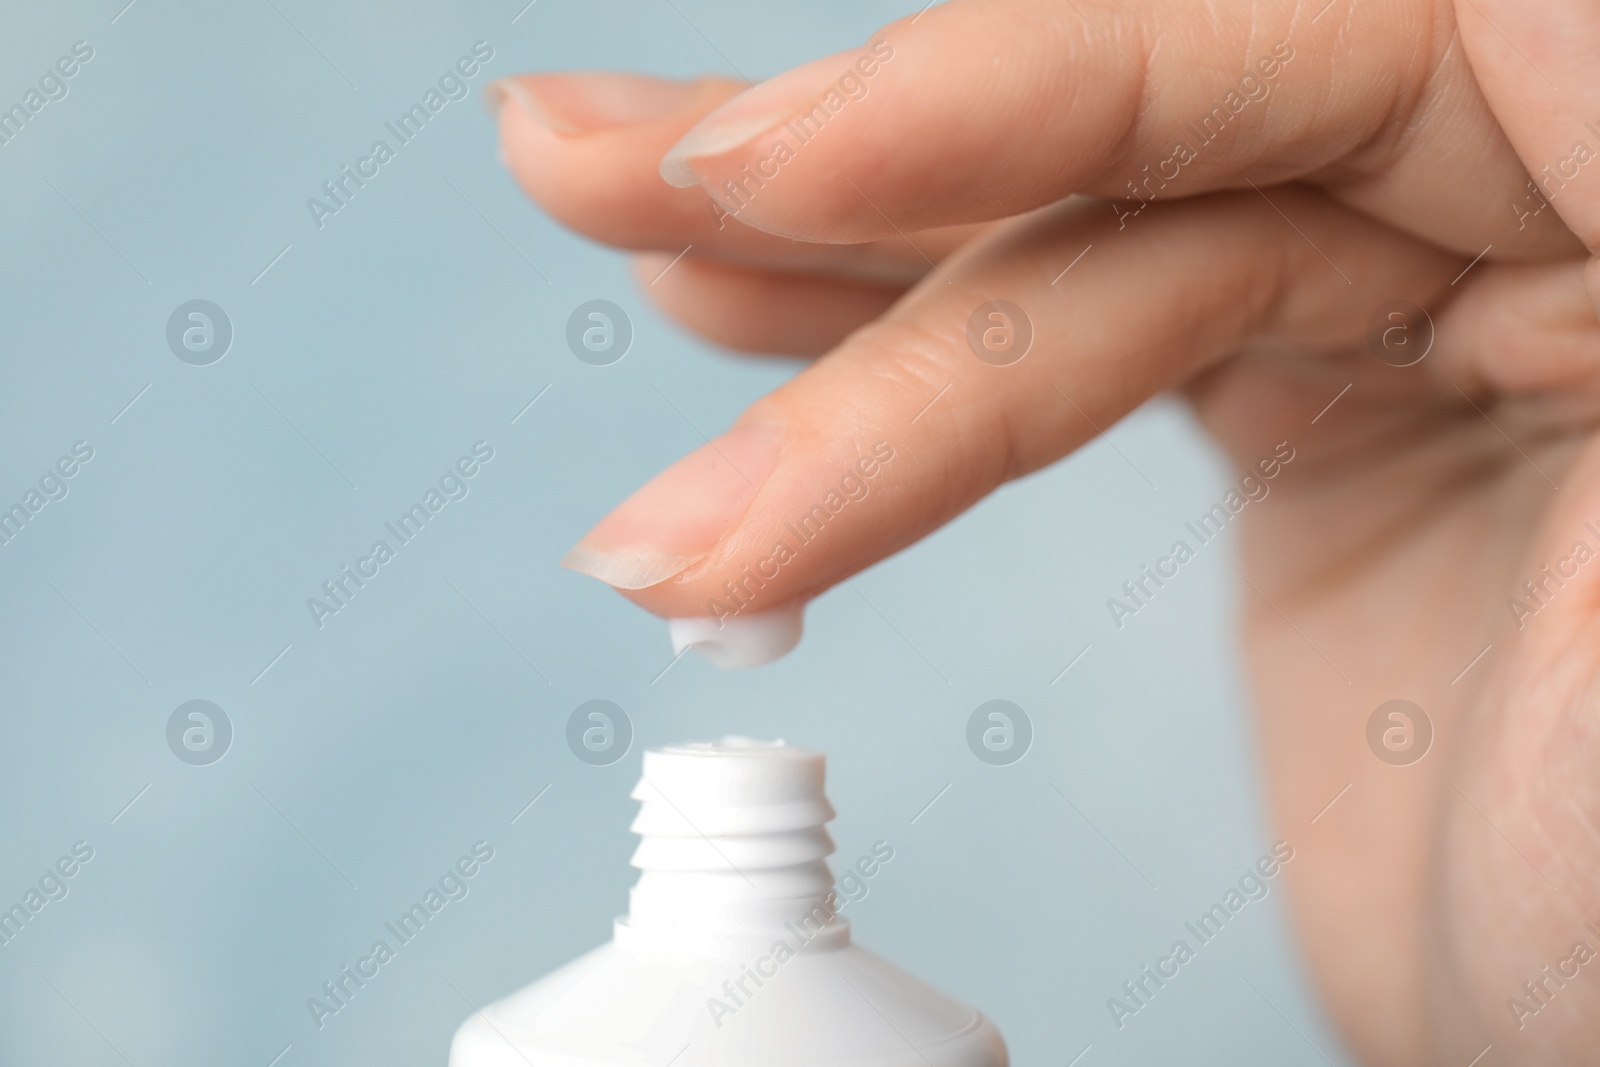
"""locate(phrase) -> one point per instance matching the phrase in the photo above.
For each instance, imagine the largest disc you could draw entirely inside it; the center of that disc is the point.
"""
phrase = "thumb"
(986, 371)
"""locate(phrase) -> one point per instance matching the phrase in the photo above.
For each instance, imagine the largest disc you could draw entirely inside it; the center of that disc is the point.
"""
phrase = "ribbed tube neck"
(732, 844)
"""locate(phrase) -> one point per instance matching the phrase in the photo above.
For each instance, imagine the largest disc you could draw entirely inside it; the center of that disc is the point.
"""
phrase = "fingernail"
(739, 641)
(679, 516)
(759, 109)
(586, 102)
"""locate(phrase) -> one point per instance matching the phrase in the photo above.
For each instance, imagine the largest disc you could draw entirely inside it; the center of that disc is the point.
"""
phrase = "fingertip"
(575, 103)
(712, 136)
(676, 518)
(752, 310)
(677, 172)
(501, 92)
(585, 147)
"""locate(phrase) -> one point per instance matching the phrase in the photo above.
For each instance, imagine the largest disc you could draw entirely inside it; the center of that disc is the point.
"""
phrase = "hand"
(1281, 172)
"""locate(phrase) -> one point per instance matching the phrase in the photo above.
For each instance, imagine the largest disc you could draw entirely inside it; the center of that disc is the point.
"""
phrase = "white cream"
(740, 641)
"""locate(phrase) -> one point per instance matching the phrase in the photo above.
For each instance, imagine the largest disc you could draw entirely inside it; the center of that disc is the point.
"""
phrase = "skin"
(1388, 154)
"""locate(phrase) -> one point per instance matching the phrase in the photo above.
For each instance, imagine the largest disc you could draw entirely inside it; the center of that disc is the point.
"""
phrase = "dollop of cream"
(740, 641)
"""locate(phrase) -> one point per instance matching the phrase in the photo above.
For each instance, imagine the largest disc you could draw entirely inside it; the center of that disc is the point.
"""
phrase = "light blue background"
(374, 752)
